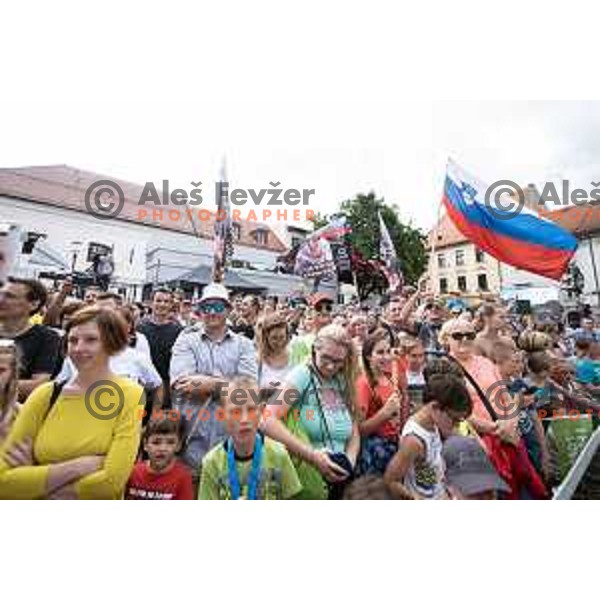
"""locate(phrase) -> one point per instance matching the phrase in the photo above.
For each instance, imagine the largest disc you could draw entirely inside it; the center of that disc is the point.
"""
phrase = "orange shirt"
(370, 400)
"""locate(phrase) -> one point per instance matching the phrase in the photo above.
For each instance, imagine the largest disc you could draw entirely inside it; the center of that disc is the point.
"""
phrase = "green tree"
(409, 241)
(319, 220)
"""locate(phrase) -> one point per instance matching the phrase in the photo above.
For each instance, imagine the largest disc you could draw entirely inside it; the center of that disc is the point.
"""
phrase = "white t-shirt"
(130, 363)
(272, 377)
(415, 378)
(426, 477)
(142, 345)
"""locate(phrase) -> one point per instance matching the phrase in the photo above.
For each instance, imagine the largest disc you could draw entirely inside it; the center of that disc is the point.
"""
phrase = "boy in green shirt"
(246, 465)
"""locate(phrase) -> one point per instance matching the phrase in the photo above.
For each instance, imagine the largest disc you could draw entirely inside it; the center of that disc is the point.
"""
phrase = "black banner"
(342, 258)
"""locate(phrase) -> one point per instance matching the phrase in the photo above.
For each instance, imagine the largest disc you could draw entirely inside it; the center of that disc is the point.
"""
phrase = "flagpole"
(220, 253)
(434, 268)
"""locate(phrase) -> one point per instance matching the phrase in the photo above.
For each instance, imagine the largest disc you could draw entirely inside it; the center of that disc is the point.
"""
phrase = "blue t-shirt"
(587, 371)
(526, 424)
(330, 427)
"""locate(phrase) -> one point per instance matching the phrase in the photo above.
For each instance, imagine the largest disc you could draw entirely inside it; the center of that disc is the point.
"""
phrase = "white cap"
(215, 291)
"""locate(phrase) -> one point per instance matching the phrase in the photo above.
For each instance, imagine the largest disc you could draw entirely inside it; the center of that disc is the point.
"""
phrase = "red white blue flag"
(509, 231)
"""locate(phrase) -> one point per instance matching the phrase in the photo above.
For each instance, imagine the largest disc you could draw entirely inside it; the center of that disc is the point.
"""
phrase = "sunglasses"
(326, 307)
(457, 336)
(213, 308)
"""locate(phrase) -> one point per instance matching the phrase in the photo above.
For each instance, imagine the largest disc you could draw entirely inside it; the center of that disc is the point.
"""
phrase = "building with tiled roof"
(149, 244)
(460, 265)
(584, 223)
(457, 265)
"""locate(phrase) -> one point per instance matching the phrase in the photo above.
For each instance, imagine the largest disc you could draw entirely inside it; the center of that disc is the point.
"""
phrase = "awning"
(203, 276)
(44, 255)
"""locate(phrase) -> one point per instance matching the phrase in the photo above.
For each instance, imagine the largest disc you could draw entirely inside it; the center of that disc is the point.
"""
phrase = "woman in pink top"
(461, 338)
(502, 442)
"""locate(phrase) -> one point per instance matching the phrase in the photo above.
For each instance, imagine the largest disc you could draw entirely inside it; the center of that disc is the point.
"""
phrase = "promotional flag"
(315, 258)
(389, 258)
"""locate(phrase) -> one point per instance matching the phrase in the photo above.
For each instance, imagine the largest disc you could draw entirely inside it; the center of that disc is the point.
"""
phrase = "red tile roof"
(579, 220)
(445, 234)
(65, 186)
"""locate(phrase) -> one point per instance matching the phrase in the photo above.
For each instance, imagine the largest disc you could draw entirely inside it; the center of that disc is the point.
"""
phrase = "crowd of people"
(242, 397)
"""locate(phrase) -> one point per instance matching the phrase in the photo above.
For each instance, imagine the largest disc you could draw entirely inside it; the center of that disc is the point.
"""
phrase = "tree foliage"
(362, 213)
(319, 221)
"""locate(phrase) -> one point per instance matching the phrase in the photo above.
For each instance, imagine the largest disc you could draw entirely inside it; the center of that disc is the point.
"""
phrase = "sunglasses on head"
(213, 308)
(459, 336)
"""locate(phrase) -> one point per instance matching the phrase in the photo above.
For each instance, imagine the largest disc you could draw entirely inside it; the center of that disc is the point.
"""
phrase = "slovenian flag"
(515, 235)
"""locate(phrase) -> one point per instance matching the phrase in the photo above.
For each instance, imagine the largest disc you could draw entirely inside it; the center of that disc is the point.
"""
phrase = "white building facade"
(47, 204)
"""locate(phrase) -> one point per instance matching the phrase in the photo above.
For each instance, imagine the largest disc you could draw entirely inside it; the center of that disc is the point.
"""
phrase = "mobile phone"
(341, 460)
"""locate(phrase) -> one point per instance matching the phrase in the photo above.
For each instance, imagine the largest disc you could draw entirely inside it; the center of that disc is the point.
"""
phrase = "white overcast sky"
(339, 97)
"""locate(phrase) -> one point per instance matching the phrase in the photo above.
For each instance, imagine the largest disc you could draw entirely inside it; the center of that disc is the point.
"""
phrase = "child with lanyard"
(246, 465)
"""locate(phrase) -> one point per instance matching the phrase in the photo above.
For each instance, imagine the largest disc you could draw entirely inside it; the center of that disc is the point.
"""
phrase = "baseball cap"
(215, 291)
(320, 297)
(469, 469)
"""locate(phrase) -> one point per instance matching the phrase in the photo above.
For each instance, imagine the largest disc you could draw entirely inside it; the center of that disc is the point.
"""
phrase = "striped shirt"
(194, 353)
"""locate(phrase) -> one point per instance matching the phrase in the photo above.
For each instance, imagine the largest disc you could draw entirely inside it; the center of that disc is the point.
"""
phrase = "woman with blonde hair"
(500, 434)
(316, 417)
(444, 336)
(272, 339)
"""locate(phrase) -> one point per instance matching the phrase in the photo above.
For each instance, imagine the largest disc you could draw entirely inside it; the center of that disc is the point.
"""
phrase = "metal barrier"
(571, 482)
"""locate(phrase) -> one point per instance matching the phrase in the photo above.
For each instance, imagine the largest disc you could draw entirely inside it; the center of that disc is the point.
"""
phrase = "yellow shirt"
(36, 319)
(70, 431)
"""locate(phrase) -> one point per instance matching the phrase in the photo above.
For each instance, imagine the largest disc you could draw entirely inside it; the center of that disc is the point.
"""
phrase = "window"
(462, 283)
(442, 261)
(95, 249)
(261, 237)
(482, 282)
(443, 285)
(460, 258)
(479, 255)
(240, 264)
(29, 243)
(236, 231)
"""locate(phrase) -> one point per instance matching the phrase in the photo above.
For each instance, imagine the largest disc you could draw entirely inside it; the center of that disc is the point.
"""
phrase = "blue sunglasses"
(213, 308)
